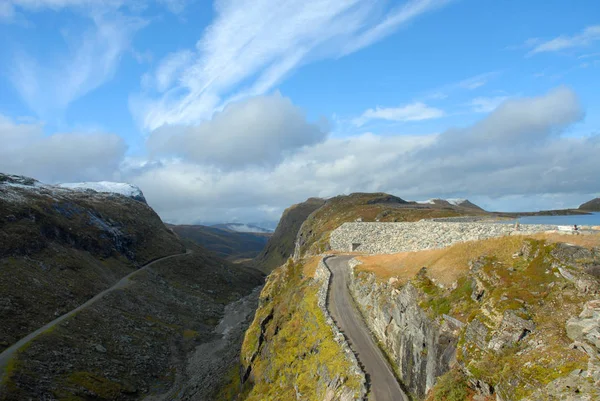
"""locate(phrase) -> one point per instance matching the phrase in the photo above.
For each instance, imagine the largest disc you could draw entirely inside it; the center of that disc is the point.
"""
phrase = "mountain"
(465, 203)
(224, 243)
(514, 317)
(106, 322)
(108, 187)
(242, 228)
(313, 237)
(281, 244)
(591, 206)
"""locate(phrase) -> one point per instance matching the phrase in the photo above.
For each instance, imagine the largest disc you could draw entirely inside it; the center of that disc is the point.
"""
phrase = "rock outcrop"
(281, 244)
(502, 325)
(419, 348)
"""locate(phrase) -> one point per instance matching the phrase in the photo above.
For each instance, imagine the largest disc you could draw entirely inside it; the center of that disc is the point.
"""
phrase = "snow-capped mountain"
(107, 187)
(450, 202)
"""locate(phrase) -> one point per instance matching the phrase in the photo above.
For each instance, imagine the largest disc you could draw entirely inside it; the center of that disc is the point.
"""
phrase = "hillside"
(227, 244)
(313, 237)
(60, 247)
(281, 244)
(514, 316)
(591, 206)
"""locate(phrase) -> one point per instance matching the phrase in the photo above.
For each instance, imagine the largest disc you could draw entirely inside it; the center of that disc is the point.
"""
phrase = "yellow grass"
(586, 241)
(310, 266)
(446, 265)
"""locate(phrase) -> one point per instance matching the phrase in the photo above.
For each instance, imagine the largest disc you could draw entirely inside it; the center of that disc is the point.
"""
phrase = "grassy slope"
(224, 243)
(281, 244)
(289, 348)
(58, 250)
(529, 287)
(591, 206)
(145, 332)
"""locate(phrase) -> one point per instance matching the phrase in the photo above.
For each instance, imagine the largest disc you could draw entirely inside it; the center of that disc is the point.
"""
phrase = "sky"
(232, 110)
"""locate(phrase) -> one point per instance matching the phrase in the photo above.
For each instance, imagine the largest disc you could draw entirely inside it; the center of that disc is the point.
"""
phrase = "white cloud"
(585, 38)
(48, 87)
(514, 153)
(477, 81)
(471, 83)
(486, 104)
(60, 157)
(170, 67)
(256, 43)
(256, 131)
(411, 112)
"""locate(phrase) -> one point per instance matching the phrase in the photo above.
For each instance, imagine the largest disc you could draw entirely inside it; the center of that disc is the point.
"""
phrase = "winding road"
(8, 353)
(383, 383)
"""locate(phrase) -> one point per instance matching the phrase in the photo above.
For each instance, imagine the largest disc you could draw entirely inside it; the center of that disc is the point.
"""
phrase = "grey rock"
(512, 329)
(100, 348)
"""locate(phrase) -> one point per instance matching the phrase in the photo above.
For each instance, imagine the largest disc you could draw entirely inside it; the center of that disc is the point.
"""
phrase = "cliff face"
(420, 348)
(281, 244)
(509, 329)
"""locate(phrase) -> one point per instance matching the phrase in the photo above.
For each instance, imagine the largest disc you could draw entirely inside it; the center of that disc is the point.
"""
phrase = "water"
(580, 219)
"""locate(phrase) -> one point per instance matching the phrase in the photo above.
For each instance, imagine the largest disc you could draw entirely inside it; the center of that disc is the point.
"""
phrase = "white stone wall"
(376, 238)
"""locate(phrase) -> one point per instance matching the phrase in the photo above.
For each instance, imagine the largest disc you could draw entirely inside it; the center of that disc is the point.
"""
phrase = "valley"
(367, 296)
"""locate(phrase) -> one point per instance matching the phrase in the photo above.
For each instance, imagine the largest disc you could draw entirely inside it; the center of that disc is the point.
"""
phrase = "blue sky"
(234, 109)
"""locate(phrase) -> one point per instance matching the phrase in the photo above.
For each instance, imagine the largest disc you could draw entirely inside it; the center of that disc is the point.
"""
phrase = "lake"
(580, 219)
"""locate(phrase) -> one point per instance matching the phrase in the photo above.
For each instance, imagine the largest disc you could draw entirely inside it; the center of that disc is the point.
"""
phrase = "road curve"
(383, 383)
(8, 353)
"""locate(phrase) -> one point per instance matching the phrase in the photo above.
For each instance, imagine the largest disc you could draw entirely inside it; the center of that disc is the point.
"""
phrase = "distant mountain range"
(450, 202)
(226, 243)
(242, 228)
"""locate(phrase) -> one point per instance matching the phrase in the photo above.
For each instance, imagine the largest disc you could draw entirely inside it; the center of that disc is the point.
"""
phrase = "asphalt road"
(8, 353)
(383, 383)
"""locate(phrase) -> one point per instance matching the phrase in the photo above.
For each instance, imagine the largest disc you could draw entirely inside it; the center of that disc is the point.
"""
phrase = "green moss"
(452, 386)
(522, 287)
(292, 345)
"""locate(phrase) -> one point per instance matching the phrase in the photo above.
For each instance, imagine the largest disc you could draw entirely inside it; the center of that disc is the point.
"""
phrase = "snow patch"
(107, 187)
(427, 202)
(456, 201)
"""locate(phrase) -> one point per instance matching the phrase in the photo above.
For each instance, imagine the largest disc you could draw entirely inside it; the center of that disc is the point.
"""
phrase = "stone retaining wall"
(378, 238)
(323, 275)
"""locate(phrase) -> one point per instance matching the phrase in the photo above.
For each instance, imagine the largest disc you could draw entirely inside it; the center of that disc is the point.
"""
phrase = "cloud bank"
(260, 155)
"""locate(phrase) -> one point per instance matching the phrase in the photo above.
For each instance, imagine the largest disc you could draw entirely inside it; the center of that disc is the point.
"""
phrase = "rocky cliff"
(420, 348)
(281, 244)
(508, 328)
(147, 336)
